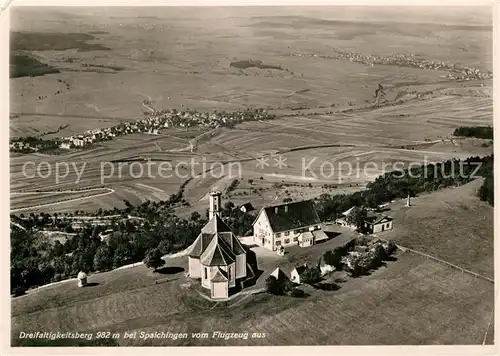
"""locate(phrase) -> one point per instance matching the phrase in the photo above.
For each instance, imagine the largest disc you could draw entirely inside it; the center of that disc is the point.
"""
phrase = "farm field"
(33, 199)
(121, 75)
(467, 240)
(346, 150)
(412, 301)
(104, 78)
(333, 134)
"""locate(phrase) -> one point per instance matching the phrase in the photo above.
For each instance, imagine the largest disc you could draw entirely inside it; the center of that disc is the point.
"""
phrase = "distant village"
(153, 124)
(403, 60)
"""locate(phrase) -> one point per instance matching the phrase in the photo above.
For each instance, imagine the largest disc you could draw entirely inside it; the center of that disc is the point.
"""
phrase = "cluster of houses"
(219, 260)
(153, 124)
(459, 73)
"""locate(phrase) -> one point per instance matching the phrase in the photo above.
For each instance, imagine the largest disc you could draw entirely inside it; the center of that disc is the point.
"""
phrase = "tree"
(352, 264)
(123, 254)
(333, 258)
(229, 206)
(390, 248)
(195, 216)
(272, 286)
(310, 275)
(357, 218)
(153, 259)
(103, 259)
(165, 247)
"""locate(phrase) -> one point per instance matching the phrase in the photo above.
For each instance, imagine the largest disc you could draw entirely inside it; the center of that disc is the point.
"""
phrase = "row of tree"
(400, 184)
(157, 231)
(484, 132)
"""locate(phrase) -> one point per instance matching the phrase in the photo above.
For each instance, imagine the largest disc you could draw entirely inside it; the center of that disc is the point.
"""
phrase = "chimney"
(408, 200)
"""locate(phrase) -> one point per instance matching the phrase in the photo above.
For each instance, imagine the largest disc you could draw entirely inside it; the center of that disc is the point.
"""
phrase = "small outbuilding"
(378, 223)
(245, 208)
(279, 275)
(297, 271)
(82, 279)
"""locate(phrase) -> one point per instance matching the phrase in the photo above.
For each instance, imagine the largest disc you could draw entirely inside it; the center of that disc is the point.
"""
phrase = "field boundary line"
(447, 263)
(110, 191)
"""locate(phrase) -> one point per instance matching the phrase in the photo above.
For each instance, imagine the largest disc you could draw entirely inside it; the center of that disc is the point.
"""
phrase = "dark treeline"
(30, 144)
(26, 66)
(125, 238)
(398, 184)
(485, 132)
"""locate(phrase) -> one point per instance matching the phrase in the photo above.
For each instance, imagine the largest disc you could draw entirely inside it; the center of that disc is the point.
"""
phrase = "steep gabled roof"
(374, 219)
(247, 206)
(217, 253)
(279, 274)
(348, 211)
(200, 245)
(301, 269)
(215, 225)
(232, 241)
(220, 276)
(291, 216)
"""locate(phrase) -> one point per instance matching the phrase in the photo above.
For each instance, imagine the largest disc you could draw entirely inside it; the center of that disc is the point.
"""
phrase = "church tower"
(214, 208)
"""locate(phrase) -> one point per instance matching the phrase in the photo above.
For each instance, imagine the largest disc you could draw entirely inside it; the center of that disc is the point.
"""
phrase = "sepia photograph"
(251, 176)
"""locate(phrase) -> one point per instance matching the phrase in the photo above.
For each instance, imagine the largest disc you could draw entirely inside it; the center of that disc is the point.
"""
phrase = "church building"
(217, 257)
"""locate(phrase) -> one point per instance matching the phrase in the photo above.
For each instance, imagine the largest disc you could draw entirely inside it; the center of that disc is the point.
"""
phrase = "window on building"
(278, 234)
(287, 241)
(229, 273)
(295, 239)
(287, 233)
(387, 225)
(206, 273)
(278, 243)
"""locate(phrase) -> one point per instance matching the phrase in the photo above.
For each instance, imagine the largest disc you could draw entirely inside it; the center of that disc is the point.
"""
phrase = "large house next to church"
(287, 225)
(217, 257)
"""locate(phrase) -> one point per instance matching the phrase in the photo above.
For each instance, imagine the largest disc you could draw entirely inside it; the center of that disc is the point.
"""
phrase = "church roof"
(200, 245)
(215, 225)
(216, 244)
(220, 276)
(218, 253)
